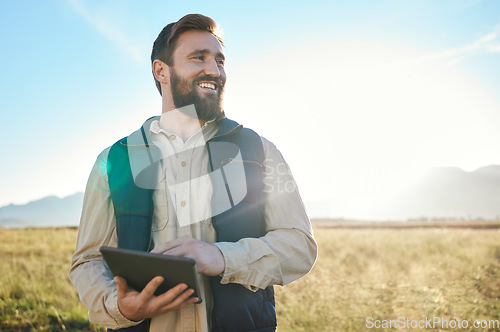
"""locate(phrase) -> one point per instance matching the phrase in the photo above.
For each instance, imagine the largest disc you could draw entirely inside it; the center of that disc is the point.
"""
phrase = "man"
(240, 217)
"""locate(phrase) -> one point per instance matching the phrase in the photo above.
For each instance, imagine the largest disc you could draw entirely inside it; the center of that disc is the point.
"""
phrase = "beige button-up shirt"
(182, 203)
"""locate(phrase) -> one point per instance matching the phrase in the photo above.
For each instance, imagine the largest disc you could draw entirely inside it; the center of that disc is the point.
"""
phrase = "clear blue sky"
(354, 93)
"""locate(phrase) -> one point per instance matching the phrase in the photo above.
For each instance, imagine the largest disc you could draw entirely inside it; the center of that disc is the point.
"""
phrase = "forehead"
(192, 40)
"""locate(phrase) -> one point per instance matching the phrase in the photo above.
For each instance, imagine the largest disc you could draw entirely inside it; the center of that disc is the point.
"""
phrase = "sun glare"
(371, 116)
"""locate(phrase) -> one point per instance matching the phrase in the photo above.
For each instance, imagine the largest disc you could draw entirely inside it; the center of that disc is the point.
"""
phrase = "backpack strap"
(133, 204)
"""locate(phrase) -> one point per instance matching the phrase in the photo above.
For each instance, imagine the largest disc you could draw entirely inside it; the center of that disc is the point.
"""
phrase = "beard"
(184, 94)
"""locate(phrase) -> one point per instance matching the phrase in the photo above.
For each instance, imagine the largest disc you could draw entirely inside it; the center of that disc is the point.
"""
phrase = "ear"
(161, 71)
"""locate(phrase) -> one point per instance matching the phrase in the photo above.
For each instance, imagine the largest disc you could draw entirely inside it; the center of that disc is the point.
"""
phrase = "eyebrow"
(207, 51)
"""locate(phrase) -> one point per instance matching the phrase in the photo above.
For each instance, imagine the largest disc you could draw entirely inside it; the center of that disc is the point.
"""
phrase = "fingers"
(180, 300)
(209, 258)
(136, 306)
(170, 244)
(151, 287)
(172, 293)
(166, 246)
(180, 251)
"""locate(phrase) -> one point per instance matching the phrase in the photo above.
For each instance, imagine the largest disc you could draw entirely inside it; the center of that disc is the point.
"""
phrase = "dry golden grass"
(379, 273)
(391, 273)
(35, 292)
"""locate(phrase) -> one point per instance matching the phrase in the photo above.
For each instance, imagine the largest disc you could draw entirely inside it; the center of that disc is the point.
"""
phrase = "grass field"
(380, 273)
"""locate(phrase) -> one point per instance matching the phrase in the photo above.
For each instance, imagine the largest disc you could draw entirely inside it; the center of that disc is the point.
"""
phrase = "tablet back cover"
(139, 267)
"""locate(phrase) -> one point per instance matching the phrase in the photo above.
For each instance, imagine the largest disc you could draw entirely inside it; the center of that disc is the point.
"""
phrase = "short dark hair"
(164, 45)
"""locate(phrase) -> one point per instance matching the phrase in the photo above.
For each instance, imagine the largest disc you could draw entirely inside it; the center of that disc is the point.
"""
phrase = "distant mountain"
(452, 192)
(441, 192)
(50, 211)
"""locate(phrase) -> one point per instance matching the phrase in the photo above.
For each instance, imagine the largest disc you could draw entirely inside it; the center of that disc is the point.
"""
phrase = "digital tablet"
(138, 268)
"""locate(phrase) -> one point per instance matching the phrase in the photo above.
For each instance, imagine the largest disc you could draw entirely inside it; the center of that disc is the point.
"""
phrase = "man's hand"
(209, 259)
(138, 306)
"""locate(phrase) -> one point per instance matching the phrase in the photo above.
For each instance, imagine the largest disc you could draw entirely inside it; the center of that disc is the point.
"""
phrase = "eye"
(199, 57)
(220, 62)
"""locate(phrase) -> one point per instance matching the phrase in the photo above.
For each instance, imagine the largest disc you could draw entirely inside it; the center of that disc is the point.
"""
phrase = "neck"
(181, 124)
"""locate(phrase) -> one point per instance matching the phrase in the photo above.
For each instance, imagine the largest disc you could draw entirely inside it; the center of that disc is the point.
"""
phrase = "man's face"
(197, 76)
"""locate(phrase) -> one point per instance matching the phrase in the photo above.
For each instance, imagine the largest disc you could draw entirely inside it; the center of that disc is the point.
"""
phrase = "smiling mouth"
(208, 86)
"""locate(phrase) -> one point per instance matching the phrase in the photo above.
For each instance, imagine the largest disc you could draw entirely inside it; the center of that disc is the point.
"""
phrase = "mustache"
(217, 80)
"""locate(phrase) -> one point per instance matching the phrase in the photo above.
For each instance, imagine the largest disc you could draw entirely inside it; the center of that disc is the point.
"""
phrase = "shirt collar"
(155, 127)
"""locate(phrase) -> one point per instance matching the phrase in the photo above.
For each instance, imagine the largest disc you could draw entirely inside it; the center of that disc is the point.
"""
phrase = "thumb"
(121, 285)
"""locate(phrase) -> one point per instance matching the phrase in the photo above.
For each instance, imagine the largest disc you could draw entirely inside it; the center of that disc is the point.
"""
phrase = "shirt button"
(172, 137)
(231, 279)
(183, 203)
(183, 164)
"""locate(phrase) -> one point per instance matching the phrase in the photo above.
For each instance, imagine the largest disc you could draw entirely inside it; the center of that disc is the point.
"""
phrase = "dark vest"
(235, 307)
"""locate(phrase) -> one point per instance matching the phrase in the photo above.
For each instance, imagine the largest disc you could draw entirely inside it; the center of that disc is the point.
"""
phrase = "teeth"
(207, 85)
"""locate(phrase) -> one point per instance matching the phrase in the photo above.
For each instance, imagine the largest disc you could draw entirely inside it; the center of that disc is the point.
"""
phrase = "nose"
(211, 68)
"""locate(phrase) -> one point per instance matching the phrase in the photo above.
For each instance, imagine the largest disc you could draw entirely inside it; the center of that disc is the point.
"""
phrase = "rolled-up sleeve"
(88, 271)
(288, 250)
